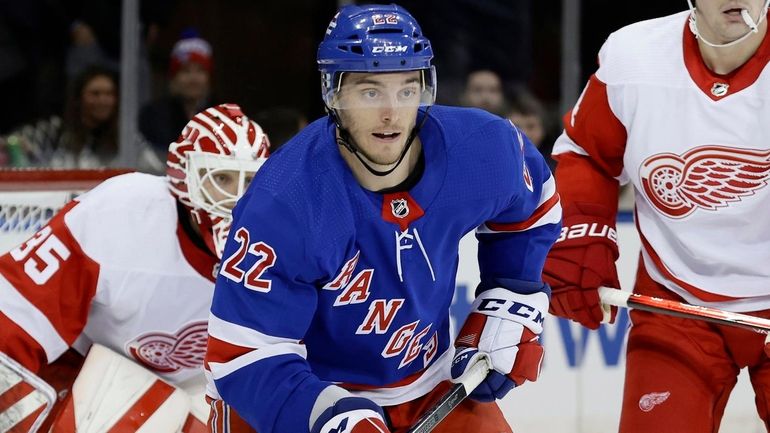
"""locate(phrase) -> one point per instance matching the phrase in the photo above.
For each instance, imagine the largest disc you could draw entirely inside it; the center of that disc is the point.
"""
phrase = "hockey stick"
(466, 384)
(620, 298)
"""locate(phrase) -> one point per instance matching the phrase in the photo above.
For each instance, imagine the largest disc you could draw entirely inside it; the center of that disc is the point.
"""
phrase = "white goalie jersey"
(700, 174)
(114, 267)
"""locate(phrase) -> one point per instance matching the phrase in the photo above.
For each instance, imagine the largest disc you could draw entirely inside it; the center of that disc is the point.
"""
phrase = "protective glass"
(354, 90)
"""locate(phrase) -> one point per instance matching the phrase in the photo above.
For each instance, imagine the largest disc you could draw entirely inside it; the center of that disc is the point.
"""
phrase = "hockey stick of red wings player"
(625, 299)
(459, 391)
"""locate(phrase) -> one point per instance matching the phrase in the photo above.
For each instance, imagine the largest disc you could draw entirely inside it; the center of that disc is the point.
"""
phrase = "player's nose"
(389, 114)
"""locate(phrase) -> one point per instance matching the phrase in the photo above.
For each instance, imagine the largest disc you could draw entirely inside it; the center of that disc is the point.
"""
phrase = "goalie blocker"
(111, 394)
(25, 399)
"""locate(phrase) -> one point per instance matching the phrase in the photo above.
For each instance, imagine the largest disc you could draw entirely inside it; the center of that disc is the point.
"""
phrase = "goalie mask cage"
(30, 197)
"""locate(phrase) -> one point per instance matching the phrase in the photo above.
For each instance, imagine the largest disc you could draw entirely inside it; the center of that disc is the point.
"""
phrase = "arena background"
(264, 57)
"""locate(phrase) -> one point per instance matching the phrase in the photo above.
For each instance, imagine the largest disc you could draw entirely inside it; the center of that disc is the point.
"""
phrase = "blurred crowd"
(59, 70)
(62, 60)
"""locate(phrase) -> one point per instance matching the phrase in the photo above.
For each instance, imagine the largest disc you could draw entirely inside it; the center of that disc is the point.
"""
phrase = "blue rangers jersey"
(325, 283)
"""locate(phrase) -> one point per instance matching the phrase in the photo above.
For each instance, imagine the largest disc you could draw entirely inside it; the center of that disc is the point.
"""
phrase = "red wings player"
(679, 108)
(131, 264)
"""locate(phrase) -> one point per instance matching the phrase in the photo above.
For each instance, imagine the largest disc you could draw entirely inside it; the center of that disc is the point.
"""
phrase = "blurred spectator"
(89, 135)
(85, 137)
(95, 36)
(484, 89)
(489, 34)
(190, 69)
(282, 122)
(529, 115)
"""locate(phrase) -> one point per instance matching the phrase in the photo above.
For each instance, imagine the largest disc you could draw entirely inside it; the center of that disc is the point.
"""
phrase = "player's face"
(221, 186)
(379, 111)
(720, 20)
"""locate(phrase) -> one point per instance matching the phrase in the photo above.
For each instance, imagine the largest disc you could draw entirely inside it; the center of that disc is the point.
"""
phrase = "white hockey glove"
(347, 414)
(505, 326)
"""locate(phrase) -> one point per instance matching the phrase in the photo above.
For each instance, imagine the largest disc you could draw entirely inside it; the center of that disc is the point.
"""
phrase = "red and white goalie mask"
(210, 165)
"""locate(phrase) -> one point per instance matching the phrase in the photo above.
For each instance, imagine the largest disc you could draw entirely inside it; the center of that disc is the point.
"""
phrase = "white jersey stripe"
(222, 369)
(241, 335)
(433, 375)
(549, 202)
(32, 320)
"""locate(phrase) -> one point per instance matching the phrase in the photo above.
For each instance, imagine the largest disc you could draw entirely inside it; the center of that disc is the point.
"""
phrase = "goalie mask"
(210, 165)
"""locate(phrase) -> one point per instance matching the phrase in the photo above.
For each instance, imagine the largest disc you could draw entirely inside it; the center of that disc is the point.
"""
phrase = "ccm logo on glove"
(516, 308)
(503, 326)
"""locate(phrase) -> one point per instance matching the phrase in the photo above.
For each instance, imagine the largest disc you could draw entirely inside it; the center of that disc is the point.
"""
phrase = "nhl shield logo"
(719, 89)
(399, 207)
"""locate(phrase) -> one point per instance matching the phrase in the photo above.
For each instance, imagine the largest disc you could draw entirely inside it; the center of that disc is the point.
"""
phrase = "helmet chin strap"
(752, 25)
(346, 141)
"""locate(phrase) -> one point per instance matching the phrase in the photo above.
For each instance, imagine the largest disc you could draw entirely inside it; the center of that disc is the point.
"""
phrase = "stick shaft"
(624, 299)
(459, 391)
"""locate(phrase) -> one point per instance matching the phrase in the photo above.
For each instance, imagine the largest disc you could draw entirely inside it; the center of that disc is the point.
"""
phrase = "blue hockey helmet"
(375, 38)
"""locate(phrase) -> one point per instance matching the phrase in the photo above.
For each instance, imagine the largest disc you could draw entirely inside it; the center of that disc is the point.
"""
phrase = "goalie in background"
(331, 311)
(130, 265)
(679, 109)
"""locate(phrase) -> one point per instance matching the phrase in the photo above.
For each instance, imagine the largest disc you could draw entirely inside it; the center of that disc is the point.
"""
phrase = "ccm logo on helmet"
(389, 49)
(593, 230)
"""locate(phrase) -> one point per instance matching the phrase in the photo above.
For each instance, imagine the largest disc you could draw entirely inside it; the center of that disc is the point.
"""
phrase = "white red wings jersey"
(696, 147)
(113, 267)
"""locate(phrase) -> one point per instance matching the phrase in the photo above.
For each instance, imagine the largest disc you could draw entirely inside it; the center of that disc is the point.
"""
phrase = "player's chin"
(386, 155)
(385, 160)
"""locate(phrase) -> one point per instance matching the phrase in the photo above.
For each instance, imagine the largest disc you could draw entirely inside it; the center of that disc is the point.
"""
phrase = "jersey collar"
(201, 260)
(717, 86)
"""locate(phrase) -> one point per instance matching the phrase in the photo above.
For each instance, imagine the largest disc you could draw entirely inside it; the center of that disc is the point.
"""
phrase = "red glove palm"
(582, 260)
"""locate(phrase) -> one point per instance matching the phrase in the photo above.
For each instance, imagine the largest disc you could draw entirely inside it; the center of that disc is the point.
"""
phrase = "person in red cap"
(190, 68)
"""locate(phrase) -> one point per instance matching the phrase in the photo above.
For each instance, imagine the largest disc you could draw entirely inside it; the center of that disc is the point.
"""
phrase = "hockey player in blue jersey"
(331, 309)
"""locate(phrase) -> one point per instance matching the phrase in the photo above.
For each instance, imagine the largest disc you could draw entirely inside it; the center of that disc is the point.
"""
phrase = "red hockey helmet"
(210, 165)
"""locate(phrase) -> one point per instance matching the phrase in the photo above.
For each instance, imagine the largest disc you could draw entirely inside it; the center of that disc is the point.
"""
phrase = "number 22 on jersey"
(266, 259)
